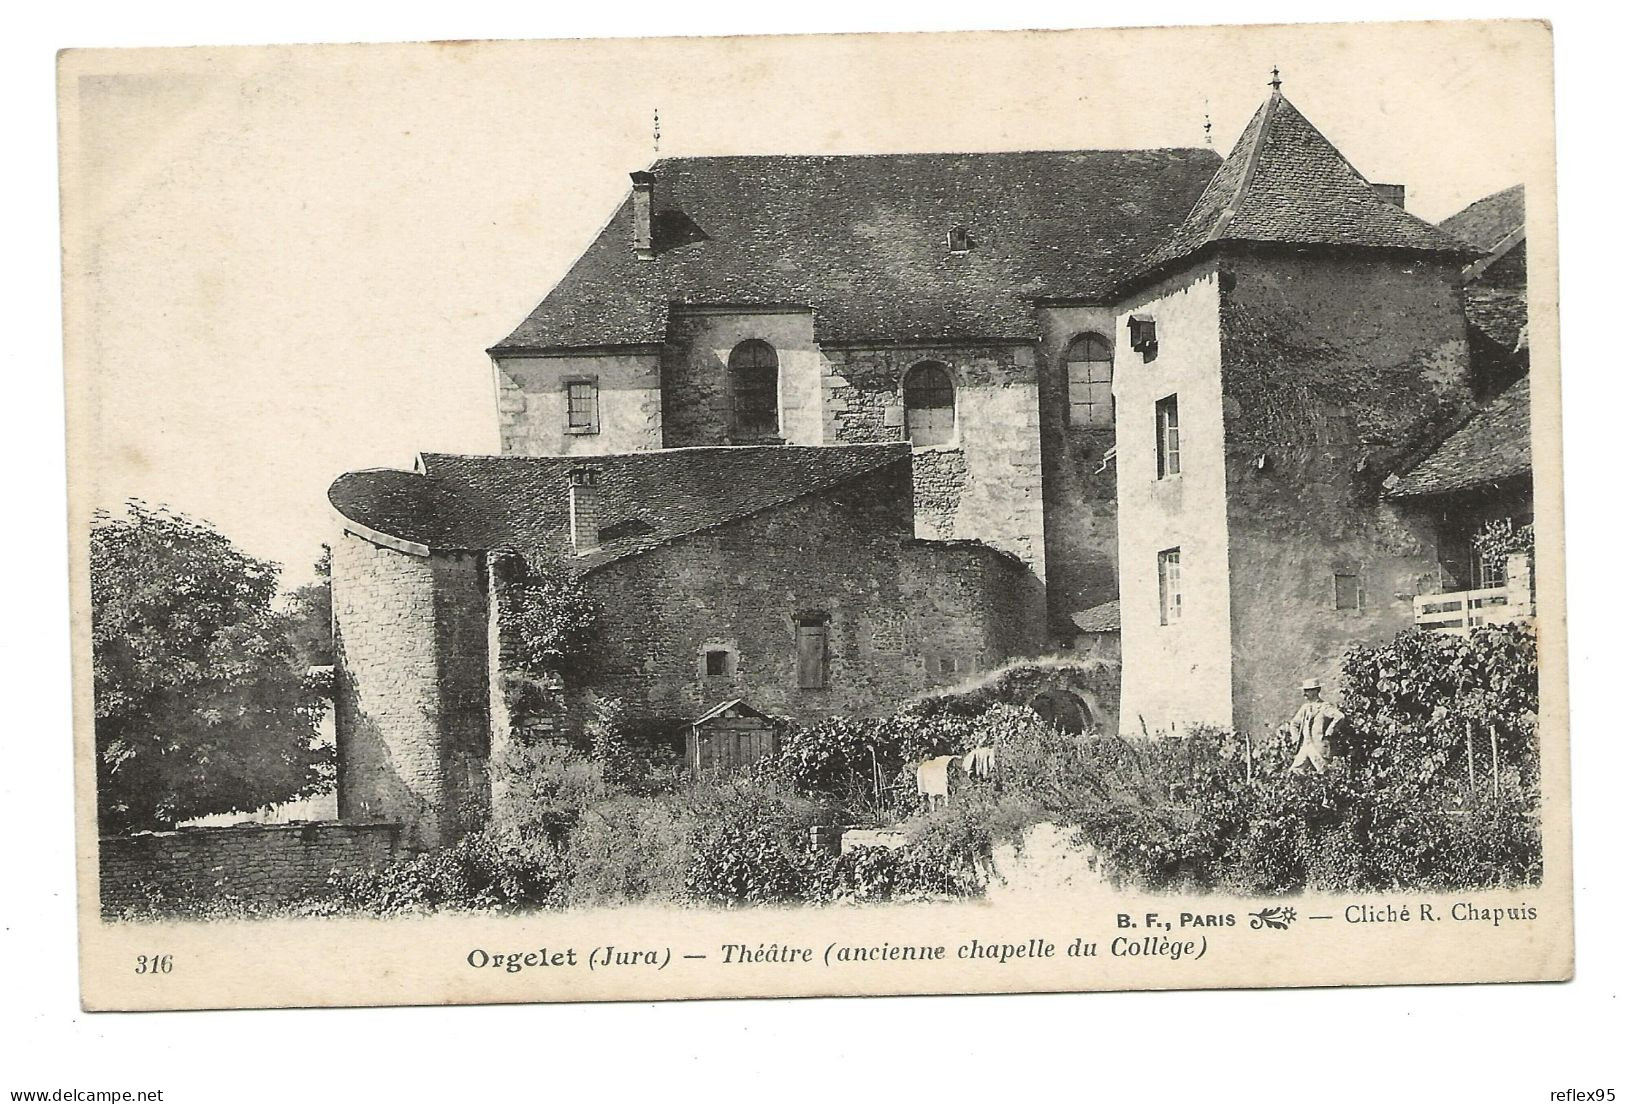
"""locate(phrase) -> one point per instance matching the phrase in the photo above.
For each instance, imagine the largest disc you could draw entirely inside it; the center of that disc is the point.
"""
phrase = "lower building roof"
(645, 499)
(1492, 447)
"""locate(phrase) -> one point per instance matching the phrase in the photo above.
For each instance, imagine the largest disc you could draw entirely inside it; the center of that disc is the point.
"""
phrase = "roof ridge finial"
(657, 131)
(1207, 123)
(1275, 78)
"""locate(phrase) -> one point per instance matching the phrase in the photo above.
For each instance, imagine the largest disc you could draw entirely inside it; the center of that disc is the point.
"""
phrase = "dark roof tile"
(1106, 617)
(1488, 222)
(1285, 184)
(1493, 446)
(862, 241)
(651, 498)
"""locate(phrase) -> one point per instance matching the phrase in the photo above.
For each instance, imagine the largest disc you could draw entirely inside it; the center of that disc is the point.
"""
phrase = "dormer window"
(1142, 335)
(959, 240)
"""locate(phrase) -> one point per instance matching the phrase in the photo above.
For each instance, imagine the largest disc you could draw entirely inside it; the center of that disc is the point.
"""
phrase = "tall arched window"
(1089, 381)
(928, 404)
(753, 377)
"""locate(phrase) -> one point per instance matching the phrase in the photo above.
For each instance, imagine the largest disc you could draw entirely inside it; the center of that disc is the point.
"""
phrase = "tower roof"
(1285, 184)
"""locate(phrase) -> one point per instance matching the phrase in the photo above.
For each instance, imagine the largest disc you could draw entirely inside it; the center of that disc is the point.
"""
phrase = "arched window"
(753, 374)
(1089, 381)
(928, 404)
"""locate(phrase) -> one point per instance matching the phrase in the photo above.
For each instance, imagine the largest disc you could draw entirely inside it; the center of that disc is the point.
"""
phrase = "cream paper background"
(228, 352)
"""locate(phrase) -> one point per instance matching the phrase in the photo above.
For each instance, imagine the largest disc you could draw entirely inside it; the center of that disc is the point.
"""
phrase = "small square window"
(716, 663)
(1347, 591)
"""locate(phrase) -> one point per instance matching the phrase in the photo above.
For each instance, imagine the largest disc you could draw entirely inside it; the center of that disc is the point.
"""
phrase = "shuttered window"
(1167, 437)
(812, 654)
(1170, 595)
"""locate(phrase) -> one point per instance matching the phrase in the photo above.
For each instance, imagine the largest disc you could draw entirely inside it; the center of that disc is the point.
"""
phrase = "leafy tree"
(553, 616)
(202, 703)
(310, 615)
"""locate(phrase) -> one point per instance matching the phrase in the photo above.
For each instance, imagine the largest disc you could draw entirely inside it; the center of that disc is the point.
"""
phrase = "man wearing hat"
(1313, 723)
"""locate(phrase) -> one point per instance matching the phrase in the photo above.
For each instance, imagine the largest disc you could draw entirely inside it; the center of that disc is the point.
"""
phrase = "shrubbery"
(1439, 789)
(1405, 806)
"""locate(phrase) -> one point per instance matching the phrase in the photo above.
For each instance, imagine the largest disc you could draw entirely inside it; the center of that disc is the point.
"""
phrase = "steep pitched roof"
(1487, 222)
(1493, 446)
(1495, 301)
(1284, 183)
(861, 240)
(647, 498)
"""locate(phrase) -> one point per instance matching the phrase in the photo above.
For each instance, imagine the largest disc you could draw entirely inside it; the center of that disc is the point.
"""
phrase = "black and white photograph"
(1098, 527)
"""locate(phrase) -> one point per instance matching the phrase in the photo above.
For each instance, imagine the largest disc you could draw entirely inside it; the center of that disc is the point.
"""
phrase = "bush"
(879, 874)
(539, 791)
(484, 871)
(630, 848)
(750, 844)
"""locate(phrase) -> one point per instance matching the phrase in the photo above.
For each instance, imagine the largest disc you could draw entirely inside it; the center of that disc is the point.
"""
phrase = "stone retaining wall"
(257, 864)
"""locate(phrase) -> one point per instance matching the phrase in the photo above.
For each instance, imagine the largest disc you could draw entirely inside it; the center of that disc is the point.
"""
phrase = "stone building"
(788, 575)
(822, 433)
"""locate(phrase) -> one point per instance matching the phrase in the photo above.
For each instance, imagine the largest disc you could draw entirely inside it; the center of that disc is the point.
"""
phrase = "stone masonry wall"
(694, 369)
(1334, 370)
(894, 607)
(985, 486)
(531, 414)
(256, 864)
(409, 690)
(1080, 485)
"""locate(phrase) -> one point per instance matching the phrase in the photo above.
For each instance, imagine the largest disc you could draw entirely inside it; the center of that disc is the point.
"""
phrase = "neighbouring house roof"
(1495, 224)
(862, 242)
(1500, 314)
(1106, 617)
(1488, 222)
(1491, 447)
(650, 498)
(1285, 184)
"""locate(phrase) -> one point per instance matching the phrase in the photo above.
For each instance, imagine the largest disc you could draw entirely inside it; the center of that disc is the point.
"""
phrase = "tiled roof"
(1106, 617)
(522, 503)
(1500, 314)
(1494, 445)
(862, 241)
(1488, 222)
(1284, 183)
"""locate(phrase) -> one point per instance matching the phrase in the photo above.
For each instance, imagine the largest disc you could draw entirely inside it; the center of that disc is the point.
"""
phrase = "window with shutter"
(1168, 437)
(812, 654)
(1170, 595)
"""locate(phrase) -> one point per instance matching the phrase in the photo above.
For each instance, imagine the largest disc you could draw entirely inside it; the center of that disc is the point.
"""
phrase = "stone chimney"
(1393, 193)
(586, 510)
(643, 202)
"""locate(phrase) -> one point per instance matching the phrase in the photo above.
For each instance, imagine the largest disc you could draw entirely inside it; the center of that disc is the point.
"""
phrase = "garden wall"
(262, 864)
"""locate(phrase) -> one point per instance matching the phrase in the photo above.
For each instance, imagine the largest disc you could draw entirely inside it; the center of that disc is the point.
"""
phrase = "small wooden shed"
(730, 737)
